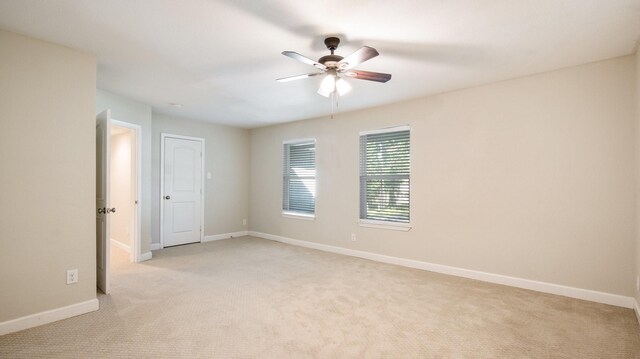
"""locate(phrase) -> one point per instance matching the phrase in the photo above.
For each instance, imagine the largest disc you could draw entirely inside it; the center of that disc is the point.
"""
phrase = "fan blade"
(298, 77)
(363, 54)
(306, 60)
(368, 75)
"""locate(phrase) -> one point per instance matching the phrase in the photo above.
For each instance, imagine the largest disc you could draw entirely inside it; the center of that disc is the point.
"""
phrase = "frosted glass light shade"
(327, 86)
(342, 86)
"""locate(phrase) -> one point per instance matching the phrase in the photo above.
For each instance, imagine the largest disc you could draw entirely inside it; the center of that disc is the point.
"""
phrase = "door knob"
(167, 197)
(111, 210)
(102, 210)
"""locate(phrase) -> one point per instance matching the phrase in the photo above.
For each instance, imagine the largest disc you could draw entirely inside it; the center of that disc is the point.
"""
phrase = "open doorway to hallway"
(123, 174)
(123, 195)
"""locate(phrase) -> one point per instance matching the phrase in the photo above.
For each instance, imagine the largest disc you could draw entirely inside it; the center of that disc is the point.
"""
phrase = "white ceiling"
(220, 58)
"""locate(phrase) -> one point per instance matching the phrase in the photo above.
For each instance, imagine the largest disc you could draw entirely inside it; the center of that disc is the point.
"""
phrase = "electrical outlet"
(72, 276)
(353, 237)
(244, 222)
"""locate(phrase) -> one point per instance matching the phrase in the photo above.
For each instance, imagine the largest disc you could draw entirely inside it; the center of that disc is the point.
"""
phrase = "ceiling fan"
(337, 68)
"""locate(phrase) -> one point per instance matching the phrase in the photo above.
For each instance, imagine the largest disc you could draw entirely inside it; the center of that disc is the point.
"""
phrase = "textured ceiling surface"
(220, 59)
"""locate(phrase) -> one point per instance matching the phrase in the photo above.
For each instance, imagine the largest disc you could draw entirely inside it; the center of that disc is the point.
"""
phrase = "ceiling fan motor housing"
(331, 60)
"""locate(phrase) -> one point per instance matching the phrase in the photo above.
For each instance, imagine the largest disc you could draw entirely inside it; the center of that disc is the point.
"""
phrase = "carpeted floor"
(253, 298)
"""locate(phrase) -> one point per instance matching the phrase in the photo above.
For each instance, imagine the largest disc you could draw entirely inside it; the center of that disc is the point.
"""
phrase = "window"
(384, 176)
(299, 178)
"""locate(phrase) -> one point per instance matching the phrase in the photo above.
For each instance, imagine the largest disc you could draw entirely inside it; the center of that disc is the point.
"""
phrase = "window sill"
(296, 215)
(394, 226)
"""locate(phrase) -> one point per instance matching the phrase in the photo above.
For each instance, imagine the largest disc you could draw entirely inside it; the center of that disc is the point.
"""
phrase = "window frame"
(290, 213)
(381, 224)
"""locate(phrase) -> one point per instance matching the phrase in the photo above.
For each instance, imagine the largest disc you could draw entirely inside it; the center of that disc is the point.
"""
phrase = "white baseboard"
(218, 237)
(215, 237)
(48, 316)
(145, 256)
(120, 245)
(572, 292)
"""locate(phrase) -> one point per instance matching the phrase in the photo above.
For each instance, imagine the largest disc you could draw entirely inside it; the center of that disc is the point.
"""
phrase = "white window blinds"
(299, 177)
(385, 175)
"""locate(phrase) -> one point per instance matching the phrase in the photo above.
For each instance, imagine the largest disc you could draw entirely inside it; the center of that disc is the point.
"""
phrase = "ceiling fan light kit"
(328, 85)
(336, 67)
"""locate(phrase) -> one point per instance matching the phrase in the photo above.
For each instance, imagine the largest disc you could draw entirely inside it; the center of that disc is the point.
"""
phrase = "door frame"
(137, 233)
(163, 136)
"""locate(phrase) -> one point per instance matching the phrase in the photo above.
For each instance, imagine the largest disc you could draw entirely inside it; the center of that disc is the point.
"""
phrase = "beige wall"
(47, 152)
(532, 178)
(121, 191)
(226, 157)
(127, 110)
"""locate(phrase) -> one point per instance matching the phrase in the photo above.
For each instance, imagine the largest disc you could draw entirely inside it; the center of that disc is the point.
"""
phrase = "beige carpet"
(252, 298)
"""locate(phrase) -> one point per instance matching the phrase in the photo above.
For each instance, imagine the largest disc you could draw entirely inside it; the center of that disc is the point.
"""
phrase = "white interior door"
(103, 134)
(182, 191)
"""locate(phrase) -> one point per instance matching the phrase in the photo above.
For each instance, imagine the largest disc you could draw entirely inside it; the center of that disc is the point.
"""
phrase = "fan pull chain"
(335, 102)
(333, 94)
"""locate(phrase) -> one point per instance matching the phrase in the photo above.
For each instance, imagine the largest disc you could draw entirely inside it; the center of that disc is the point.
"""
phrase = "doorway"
(127, 154)
(124, 229)
(181, 187)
